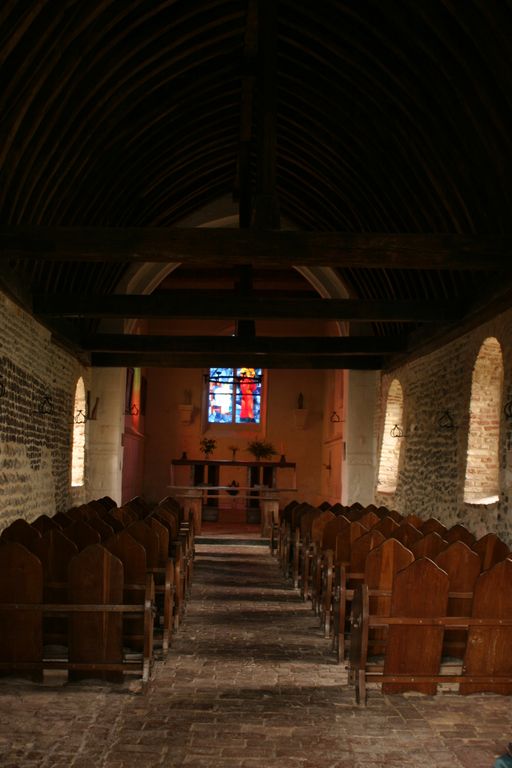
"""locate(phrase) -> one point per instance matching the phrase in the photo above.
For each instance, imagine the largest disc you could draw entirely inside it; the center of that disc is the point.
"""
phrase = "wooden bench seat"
(94, 609)
(414, 629)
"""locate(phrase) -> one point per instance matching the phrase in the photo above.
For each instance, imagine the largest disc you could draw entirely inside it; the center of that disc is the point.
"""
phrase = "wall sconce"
(397, 431)
(446, 422)
(300, 417)
(132, 410)
(46, 406)
(80, 417)
(334, 418)
(186, 413)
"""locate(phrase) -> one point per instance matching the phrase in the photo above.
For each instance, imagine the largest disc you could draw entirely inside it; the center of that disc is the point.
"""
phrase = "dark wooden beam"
(199, 360)
(235, 345)
(283, 248)
(205, 305)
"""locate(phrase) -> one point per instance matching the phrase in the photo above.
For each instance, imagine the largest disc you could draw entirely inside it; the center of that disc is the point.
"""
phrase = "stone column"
(104, 462)
(359, 462)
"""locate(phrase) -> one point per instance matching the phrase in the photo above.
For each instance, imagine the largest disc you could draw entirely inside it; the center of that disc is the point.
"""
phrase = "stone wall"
(38, 381)
(432, 463)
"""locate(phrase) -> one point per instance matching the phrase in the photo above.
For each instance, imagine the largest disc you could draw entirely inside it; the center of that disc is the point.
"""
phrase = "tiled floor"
(250, 681)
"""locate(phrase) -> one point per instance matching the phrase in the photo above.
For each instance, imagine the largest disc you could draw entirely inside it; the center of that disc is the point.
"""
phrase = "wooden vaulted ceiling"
(371, 138)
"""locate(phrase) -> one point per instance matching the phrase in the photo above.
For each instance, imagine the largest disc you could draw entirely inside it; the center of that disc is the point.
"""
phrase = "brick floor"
(250, 681)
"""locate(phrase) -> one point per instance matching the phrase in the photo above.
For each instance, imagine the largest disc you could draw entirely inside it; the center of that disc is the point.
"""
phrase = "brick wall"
(35, 447)
(432, 466)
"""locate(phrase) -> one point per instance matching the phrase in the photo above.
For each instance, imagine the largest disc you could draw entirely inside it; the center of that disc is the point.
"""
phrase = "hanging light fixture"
(46, 406)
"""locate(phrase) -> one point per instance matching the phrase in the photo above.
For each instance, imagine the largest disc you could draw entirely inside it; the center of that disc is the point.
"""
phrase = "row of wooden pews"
(447, 619)
(97, 591)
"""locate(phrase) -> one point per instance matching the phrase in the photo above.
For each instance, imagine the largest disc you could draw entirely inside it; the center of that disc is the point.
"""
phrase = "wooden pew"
(433, 525)
(323, 579)
(387, 525)
(133, 557)
(302, 519)
(44, 523)
(62, 519)
(107, 502)
(181, 551)
(416, 624)
(491, 550)
(284, 530)
(414, 520)
(101, 526)
(125, 515)
(407, 534)
(381, 566)
(82, 534)
(164, 573)
(55, 551)
(116, 524)
(428, 546)
(291, 539)
(310, 548)
(139, 506)
(463, 568)
(459, 532)
(170, 554)
(21, 532)
(488, 658)
(341, 561)
(336, 608)
(368, 518)
(170, 514)
(21, 628)
(94, 609)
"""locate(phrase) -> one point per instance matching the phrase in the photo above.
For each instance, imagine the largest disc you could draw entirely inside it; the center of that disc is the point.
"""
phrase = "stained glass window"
(234, 395)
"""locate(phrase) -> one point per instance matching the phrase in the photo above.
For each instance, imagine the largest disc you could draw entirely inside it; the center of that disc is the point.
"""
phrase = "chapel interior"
(264, 221)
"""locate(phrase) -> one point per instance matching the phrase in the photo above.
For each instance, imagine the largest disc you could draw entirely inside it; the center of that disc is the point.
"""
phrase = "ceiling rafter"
(245, 345)
(274, 248)
(223, 304)
(254, 360)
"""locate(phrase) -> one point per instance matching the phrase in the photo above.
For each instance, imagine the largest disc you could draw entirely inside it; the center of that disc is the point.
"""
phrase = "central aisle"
(249, 682)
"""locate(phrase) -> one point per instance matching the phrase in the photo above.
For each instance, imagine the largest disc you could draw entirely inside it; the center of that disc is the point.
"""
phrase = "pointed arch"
(482, 462)
(391, 444)
(78, 449)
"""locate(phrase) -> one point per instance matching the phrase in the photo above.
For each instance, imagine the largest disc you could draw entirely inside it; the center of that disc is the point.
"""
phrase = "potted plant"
(261, 449)
(207, 445)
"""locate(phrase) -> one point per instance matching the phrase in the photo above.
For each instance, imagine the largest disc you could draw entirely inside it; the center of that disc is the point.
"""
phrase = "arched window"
(391, 439)
(78, 451)
(482, 466)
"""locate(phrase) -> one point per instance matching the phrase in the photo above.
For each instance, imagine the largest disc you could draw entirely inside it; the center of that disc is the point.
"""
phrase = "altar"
(203, 485)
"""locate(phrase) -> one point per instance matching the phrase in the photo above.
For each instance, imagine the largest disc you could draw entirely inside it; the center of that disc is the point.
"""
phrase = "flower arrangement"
(207, 445)
(260, 449)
